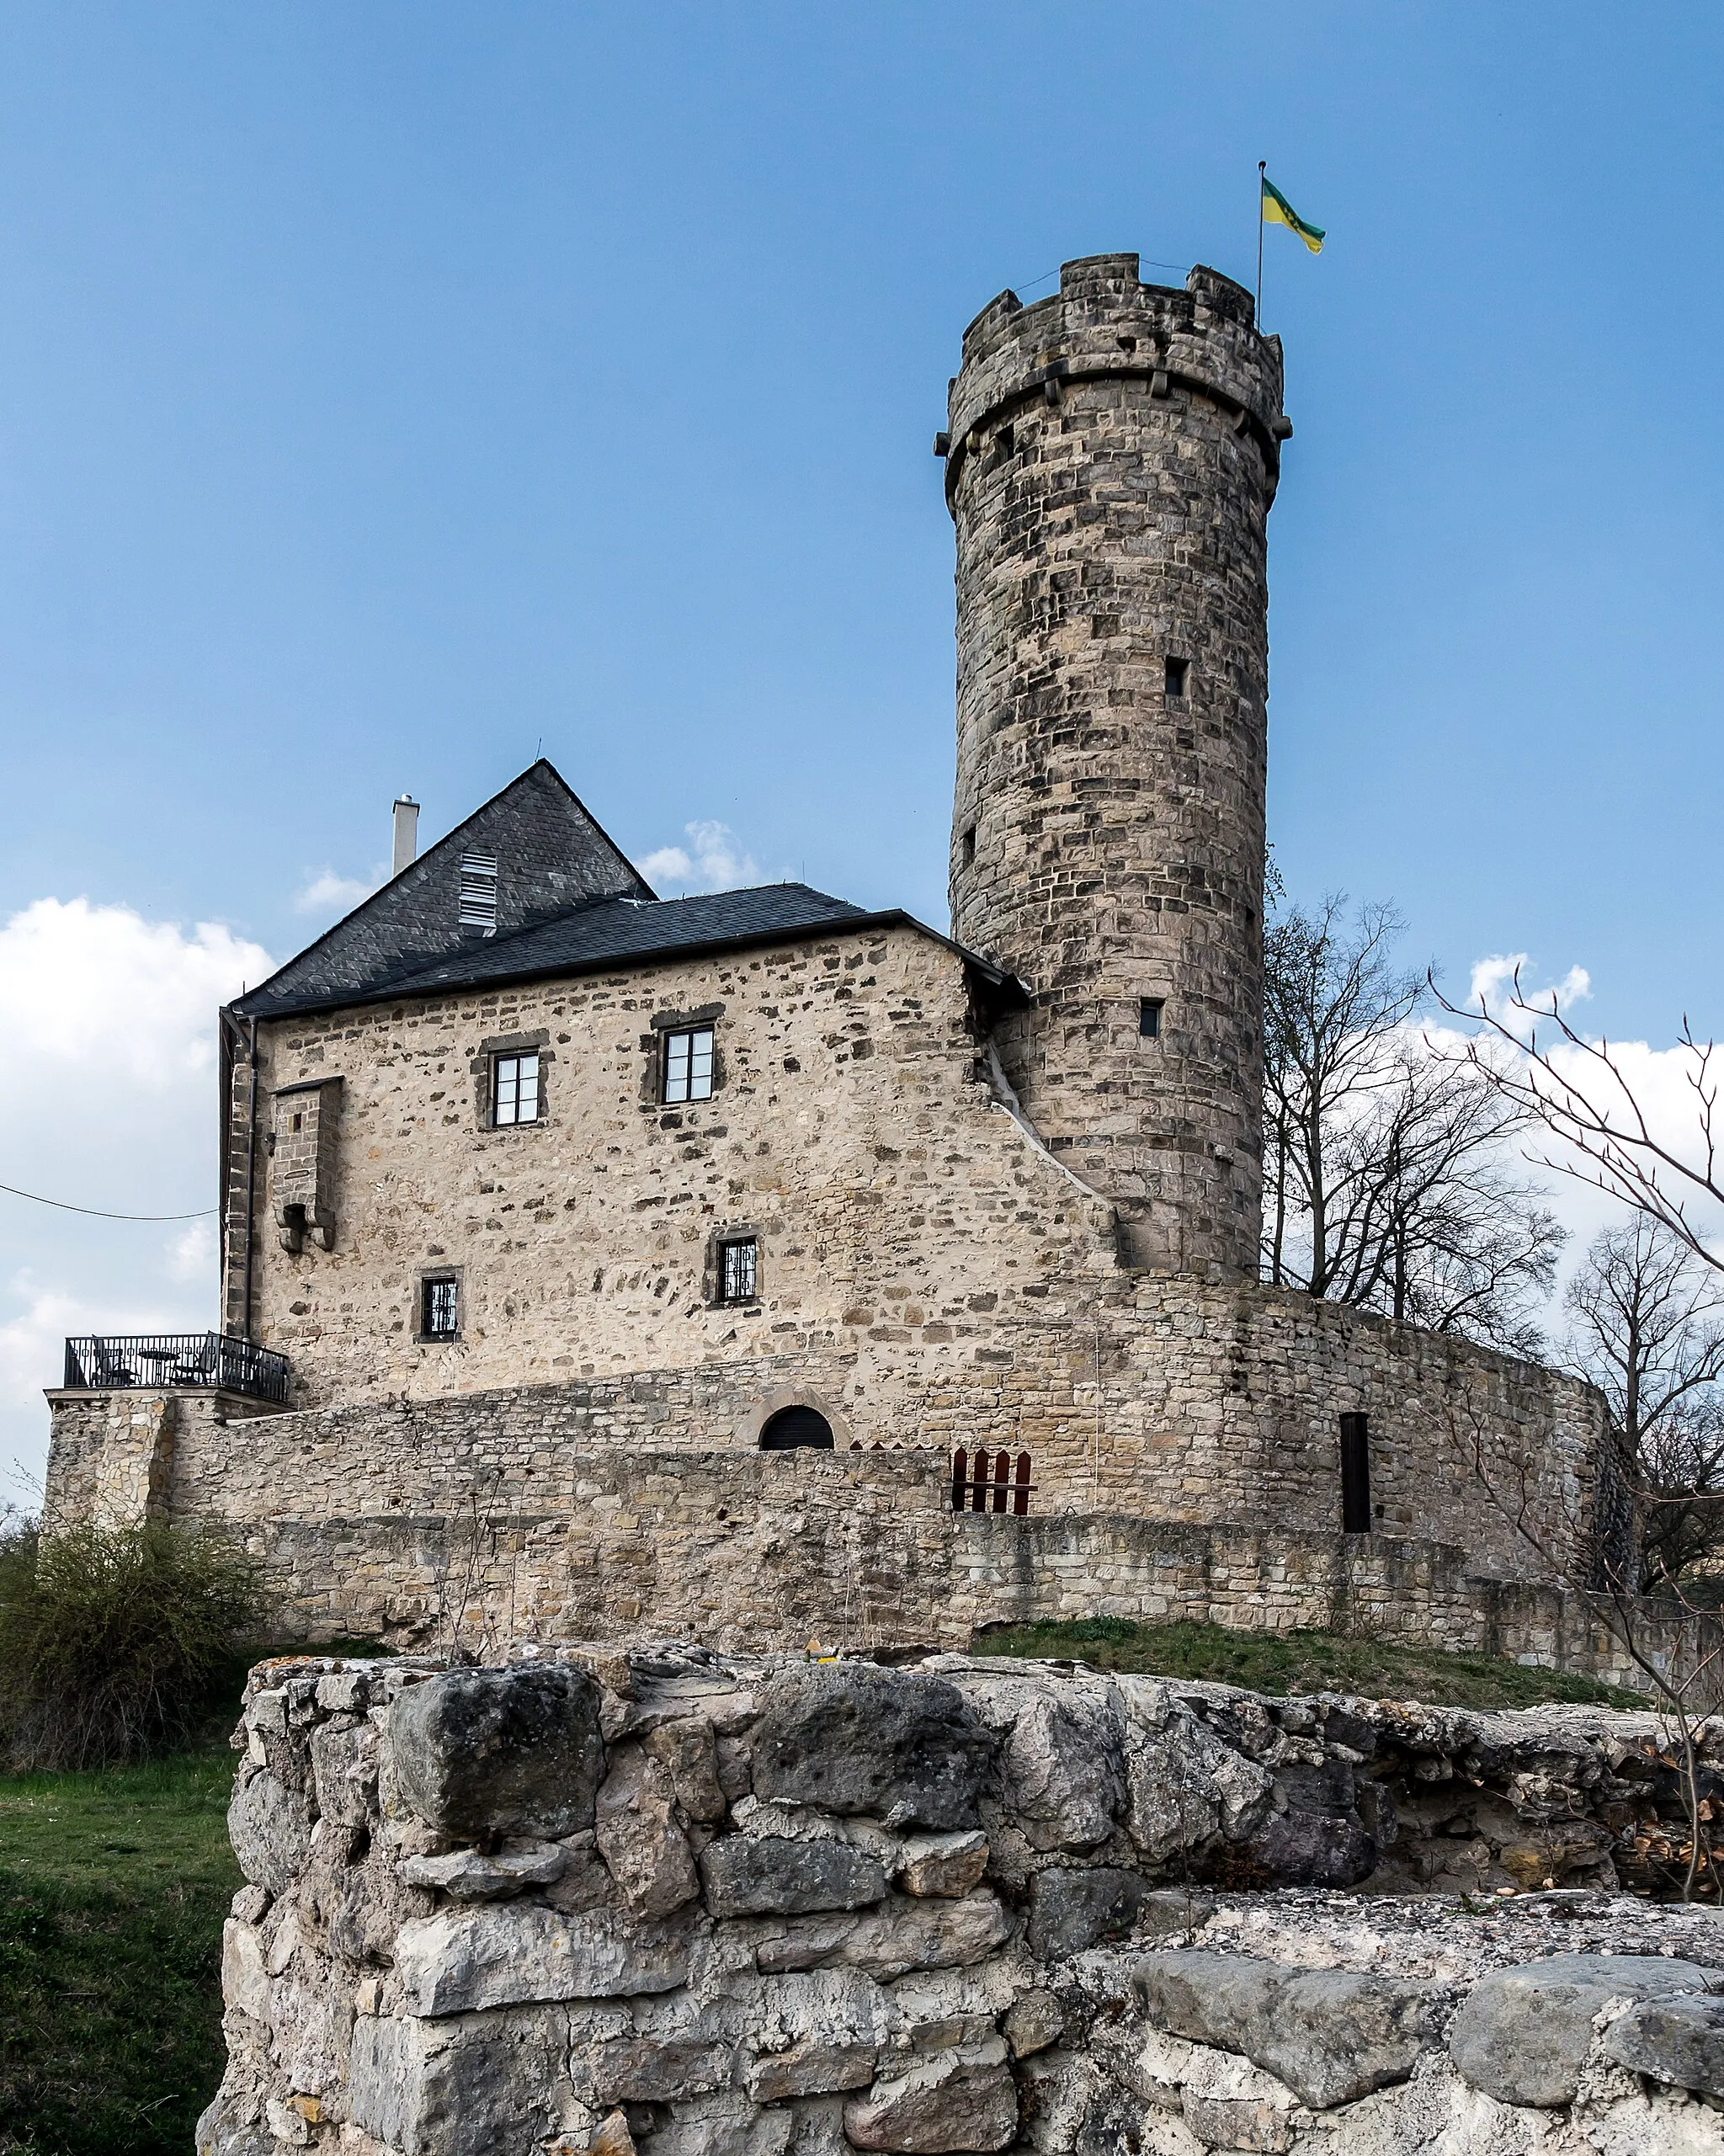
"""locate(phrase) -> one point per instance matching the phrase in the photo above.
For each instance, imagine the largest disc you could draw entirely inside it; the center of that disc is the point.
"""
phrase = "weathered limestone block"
(1314, 1848)
(468, 2086)
(1228, 2103)
(649, 2070)
(770, 1875)
(1330, 2034)
(851, 1738)
(270, 1827)
(245, 1979)
(1034, 2022)
(688, 1749)
(944, 1865)
(361, 1907)
(512, 1751)
(1186, 1786)
(468, 1875)
(1071, 1910)
(645, 1851)
(344, 1770)
(891, 1942)
(1061, 1761)
(809, 2069)
(723, 2124)
(1522, 2035)
(956, 2099)
(1679, 2040)
(508, 1954)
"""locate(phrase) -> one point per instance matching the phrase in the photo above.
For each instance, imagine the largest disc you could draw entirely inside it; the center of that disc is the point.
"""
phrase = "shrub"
(114, 1641)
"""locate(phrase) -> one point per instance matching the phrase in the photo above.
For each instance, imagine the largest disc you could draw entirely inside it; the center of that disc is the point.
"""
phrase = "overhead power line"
(95, 1212)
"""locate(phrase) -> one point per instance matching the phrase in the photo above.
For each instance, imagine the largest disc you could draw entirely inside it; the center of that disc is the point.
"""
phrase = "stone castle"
(756, 1263)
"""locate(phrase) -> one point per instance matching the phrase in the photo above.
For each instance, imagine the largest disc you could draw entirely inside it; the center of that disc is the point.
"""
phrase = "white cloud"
(107, 1100)
(1497, 982)
(709, 862)
(1659, 1084)
(330, 896)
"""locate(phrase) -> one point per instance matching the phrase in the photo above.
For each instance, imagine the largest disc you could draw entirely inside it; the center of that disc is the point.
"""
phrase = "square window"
(1176, 671)
(688, 1064)
(1149, 1017)
(440, 1308)
(514, 1089)
(738, 1271)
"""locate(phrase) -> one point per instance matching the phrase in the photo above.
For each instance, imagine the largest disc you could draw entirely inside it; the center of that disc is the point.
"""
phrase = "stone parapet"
(111, 1460)
(655, 1901)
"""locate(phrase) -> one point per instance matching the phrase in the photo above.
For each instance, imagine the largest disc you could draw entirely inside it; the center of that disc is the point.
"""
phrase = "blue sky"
(385, 392)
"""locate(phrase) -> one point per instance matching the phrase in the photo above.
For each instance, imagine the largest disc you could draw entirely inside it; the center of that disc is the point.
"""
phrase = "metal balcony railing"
(115, 1361)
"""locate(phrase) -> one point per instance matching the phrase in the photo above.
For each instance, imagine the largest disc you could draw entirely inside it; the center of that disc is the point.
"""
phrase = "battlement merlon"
(1105, 323)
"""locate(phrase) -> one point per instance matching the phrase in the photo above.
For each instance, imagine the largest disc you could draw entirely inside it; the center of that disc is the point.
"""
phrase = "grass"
(113, 1883)
(1302, 1661)
(113, 1886)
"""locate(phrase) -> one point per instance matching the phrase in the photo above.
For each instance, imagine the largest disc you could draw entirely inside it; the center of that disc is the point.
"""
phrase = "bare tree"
(1386, 1181)
(1674, 1642)
(1606, 1135)
(1646, 1327)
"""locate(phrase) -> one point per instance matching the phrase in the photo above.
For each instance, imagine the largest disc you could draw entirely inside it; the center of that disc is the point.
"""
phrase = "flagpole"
(1263, 166)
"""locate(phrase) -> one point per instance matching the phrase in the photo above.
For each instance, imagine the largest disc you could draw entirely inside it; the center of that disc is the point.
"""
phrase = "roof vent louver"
(477, 915)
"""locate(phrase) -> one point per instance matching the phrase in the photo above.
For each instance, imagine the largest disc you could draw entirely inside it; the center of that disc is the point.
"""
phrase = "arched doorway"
(791, 1427)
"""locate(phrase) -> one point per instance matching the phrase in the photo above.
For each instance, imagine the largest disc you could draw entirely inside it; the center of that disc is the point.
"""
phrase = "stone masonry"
(1114, 451)
(655, 1901)
(996, 1196)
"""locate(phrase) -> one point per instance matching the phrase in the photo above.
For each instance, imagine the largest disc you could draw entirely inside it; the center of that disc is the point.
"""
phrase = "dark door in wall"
(791, 1427)
(1356, 1475)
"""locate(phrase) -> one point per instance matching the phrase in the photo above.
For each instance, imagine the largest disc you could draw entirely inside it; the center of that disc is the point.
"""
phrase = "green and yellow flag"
(1277, 209)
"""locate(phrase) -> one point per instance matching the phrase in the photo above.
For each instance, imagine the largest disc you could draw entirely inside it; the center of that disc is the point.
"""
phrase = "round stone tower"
(1112, 455)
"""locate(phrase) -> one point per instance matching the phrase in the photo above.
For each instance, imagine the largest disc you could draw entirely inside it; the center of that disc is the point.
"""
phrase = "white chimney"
(407, 834)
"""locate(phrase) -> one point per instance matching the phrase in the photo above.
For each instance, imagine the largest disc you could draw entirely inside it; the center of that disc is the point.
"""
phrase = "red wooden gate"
(986, 1482)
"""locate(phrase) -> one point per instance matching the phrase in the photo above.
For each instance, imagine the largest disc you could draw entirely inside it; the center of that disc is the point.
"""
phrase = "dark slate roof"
(552, 855)
(403, 941)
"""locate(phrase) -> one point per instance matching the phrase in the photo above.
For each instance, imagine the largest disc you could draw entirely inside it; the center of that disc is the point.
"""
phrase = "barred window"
(439, 1313)
(514, 1089)
(688, 1064)
(739, 1270)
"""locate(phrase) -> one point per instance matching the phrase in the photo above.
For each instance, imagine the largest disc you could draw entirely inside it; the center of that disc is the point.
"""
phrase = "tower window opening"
(1149, 1017)
(440, 1308)
(739, 1271)
(1356, 1475)
(969, 847)
(1005, 441)
(1177, 672)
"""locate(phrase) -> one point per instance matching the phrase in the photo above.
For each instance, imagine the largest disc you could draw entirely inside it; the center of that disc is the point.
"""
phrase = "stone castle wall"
(481, 1522)
(927, 1275)
(662, 1902)
(1113, 454)
(1169, 1400)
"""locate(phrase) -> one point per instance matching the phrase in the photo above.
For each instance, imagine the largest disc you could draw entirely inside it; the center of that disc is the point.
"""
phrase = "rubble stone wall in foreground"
(661, 1901)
